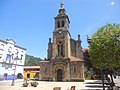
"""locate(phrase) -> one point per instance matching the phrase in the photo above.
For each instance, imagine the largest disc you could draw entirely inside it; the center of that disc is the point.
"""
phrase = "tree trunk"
(102, 79)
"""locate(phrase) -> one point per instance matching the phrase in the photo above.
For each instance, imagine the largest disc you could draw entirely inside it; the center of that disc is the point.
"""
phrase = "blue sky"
(31, 22)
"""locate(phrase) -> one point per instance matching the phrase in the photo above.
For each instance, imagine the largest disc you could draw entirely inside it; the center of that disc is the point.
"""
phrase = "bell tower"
(65, 57)
(61, 35)
(62, 20)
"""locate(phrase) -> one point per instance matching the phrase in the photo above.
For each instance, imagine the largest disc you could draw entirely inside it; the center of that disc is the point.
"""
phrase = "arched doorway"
(59, 75)
(5, 76)
(19, 76)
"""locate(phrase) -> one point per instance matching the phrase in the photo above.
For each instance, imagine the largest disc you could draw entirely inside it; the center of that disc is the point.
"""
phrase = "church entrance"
(59, 75)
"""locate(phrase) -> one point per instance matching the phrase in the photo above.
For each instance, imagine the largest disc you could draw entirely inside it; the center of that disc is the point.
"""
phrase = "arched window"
(16, 52)
(62, 23)
(10, 49)
(74, 69)
(60, 48)
(45, 69)
(2, 47)
(58, 24)
(22, 55)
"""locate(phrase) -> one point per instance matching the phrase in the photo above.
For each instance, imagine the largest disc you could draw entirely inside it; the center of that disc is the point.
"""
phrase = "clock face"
(60, 31)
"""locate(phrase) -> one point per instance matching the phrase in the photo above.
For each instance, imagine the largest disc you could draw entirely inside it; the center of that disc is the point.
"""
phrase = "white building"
(12, 59)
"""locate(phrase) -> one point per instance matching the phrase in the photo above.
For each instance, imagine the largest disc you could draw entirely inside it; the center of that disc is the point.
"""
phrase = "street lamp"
(13, 80)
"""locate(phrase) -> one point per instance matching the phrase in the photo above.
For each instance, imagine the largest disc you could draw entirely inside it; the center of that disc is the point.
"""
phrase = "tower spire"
(62, 5)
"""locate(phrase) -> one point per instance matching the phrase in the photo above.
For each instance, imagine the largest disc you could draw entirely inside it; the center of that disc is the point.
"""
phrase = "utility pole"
(13, 80)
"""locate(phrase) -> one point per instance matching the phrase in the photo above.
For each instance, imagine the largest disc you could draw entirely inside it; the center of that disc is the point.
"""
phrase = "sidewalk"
(45, 85)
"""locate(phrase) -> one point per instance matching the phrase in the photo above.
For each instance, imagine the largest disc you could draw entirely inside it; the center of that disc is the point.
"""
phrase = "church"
(65, 56)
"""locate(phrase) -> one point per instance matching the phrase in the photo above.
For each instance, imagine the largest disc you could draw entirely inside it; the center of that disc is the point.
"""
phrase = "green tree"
(105, 48)
(32, 61)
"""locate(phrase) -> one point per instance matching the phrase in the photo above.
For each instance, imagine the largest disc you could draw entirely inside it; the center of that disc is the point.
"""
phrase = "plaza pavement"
(45, 85)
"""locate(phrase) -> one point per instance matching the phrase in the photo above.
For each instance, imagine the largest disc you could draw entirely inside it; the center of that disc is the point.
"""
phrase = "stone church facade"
(65, 57)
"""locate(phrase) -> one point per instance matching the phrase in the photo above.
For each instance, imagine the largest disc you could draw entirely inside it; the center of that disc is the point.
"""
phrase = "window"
(16, 52)
(9, 58)
(16, 55)
(0, 56)
(22, 55)
(58, 24)
(12, 56)
(46, 69)
(1, 47)
(62, 23)
(37, 69)
(74, 69)
(10, 49)
(60, 48)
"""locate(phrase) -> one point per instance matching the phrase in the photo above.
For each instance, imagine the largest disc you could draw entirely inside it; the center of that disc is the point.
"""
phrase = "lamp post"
(13, 80)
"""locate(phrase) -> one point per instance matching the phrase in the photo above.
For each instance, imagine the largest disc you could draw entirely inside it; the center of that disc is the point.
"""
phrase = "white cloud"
(112, 3)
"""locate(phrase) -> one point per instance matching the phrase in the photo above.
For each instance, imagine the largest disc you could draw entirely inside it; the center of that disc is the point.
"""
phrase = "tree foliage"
(105, 47)
(32, 61)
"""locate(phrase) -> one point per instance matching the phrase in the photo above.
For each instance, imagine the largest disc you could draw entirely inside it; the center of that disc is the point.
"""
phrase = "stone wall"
(44, 70)
(76, 71)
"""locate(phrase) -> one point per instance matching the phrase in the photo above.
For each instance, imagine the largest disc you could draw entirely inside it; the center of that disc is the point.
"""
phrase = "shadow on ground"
(95, 84)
